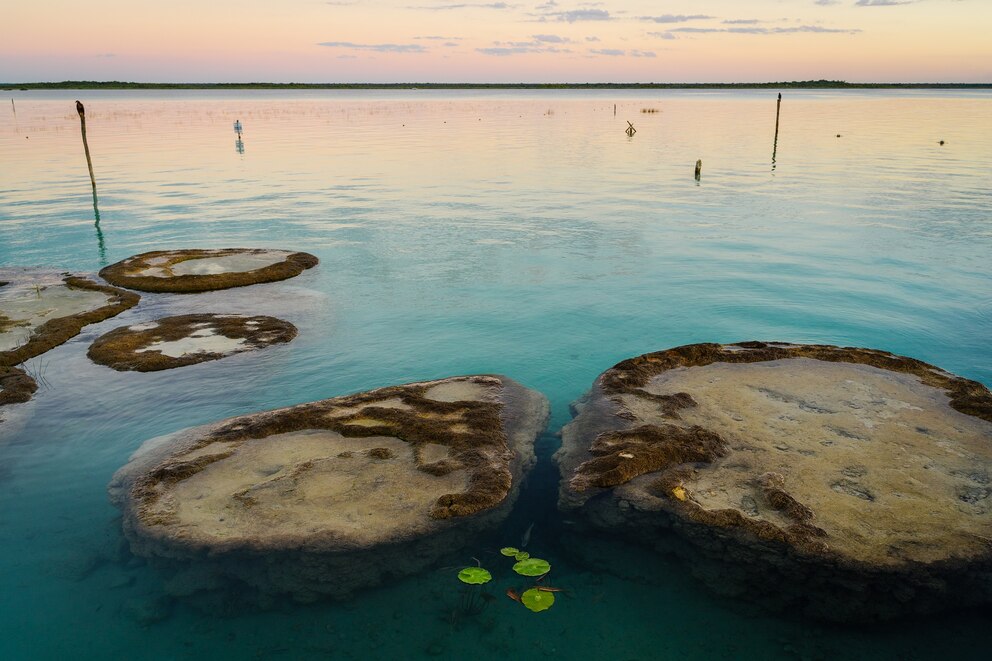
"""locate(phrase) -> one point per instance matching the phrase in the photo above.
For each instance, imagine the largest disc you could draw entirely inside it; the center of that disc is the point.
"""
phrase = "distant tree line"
(797, 84)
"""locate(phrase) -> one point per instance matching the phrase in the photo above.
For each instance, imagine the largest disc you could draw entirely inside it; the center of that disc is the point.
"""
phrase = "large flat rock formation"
(329, 497)
(198, 270)
(40, 310)
(847, 483)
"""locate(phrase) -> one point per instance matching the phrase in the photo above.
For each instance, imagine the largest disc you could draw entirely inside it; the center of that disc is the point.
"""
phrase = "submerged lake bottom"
(517, 233)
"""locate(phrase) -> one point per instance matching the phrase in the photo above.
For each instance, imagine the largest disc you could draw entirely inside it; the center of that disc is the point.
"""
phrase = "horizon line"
(117, 84)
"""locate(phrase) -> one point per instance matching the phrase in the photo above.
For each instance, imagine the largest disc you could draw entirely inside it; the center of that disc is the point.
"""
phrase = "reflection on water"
(462, 233)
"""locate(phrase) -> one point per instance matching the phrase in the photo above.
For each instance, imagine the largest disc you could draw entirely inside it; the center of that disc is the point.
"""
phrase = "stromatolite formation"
(186, 340)
(40, 310)
(332, 496)
(16, 387)
(842, 483)
(197, 270)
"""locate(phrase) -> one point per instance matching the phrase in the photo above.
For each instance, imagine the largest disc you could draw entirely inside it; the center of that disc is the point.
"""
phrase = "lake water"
(520, 233)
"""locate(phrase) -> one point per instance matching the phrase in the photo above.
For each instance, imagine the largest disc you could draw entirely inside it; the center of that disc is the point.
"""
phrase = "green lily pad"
(532, 567)
(509, 551)
(538, 600)
(523, 555)
(474, 576)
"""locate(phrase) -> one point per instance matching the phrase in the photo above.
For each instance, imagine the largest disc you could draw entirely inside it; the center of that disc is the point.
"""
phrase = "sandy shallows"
(328, 497)
(195, 270)
(850, 483)
(186, 340)
(40, 310)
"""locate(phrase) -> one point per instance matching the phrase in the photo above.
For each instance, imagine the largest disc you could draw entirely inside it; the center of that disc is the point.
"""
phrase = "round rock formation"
(196, 270)
(40, 310)
(332, 496)
(186, 340)
(842, 483)
(16, 387)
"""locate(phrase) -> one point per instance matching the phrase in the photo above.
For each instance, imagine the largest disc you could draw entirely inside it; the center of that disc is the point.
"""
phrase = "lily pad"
(537, 600)
(523, 555)
(509, 551)
(532, 567)
(474, 576)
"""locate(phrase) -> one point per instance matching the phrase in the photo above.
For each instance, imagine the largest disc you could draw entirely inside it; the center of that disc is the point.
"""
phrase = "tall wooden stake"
(89, 164)
(86, 147)
(699, 169)
(778, 111)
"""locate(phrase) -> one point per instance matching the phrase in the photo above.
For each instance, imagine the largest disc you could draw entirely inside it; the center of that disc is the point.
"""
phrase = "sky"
(483, 41)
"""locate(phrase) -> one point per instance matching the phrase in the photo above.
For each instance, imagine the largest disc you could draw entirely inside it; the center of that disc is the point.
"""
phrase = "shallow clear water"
(519, 233)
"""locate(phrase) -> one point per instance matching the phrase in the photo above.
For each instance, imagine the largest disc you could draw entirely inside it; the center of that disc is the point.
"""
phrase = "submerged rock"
(332, 496)
(842, 483)
(196, 270)
(186, 340)
(16, 387)
(40, 310)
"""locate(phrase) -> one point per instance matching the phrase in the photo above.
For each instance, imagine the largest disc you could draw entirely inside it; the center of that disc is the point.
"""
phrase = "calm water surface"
(518, 233)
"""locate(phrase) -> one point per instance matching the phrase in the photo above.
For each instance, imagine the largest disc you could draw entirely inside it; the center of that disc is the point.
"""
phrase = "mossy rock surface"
(39, 310)
(199, 270)
(16, 387)
(186, 340)
(331, 495)
(840, 466)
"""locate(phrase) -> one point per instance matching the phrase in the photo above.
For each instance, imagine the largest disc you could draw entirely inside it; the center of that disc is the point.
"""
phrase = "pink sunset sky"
(527, 41)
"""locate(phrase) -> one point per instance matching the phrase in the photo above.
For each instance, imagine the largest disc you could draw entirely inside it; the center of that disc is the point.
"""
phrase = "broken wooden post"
(699, 168)
(778, 111)
(630, 130)
(86, 148)
(89, 164)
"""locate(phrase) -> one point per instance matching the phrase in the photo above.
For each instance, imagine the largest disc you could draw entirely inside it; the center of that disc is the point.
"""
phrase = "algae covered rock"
(199, 270)
(16, 387)
(331, 496)
(39, 310)
(186, 340)
(843, 483)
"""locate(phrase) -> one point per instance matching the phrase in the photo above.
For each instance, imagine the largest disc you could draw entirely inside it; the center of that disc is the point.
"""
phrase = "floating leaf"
(523, 555)
(537, 600)
(474, 576)
(532, 567)
(509, 551)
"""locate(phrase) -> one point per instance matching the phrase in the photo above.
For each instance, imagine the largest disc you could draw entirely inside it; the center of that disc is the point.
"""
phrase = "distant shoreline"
(806, 84)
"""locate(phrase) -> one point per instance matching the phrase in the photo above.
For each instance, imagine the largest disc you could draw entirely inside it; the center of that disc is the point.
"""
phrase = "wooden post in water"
(778, 111)
(699, 169)
(89, 164)
(630, 130)
(86, 147)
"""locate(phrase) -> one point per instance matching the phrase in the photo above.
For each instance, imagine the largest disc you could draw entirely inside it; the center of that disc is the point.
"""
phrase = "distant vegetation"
(798, 84)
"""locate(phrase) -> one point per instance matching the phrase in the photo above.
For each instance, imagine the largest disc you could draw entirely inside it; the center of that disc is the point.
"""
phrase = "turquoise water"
(515, 233)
